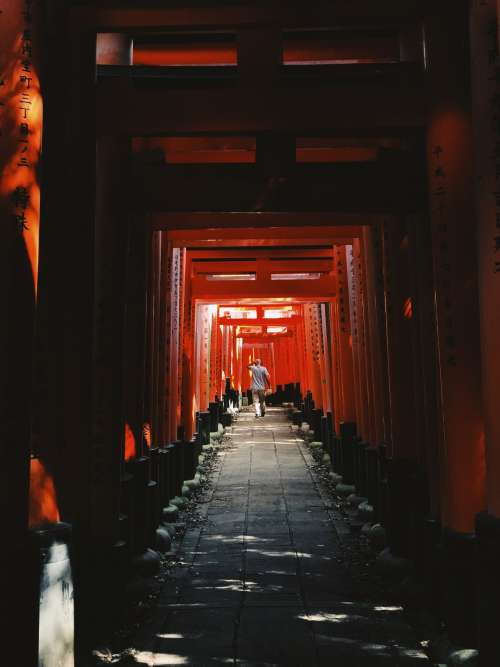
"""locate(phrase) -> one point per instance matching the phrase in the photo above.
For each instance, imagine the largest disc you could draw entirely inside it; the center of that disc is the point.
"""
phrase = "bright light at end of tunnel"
(230, 276)
(295, 276)
(157, 659)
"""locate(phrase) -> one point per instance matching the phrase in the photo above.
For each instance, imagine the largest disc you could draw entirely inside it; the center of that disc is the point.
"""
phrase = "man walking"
(260, 382)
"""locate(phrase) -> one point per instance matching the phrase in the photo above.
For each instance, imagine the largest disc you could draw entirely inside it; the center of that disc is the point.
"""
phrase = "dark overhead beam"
(259, 225)
(116, 17)
(123, 109)
(393, 184)
(242, 242)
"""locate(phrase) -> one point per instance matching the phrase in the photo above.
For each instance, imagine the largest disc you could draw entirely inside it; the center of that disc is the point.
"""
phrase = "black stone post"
(459, 593)
(347, 436)
(205, 427)
(488, 575)
(361, 448)
(372, 477)
(213, 409)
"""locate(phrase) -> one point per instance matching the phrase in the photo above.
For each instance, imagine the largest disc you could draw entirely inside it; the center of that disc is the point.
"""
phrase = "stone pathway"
(263, 582)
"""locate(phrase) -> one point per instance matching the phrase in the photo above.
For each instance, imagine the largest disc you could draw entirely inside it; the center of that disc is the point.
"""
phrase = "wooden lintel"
(264, 338)
(125, 109)
(320, 289)
(280, 241)
(192, 224)
(213, 254)
(264, 266)
(395, 182)
(259, 321)
(139, 18)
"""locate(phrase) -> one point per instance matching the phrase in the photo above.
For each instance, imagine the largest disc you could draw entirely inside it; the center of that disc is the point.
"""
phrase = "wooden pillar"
(366, 359)
(259, 55)
(135, 330)
(358, 361)
(108, 427)
(377, 380)
(175, 325)
(180, 348)
(301, 351)
(325, 349)
(424, 356)
(113, 48)
(399, 342)
(345, 349)
(188, 358)
(154, 266)
(486, 90)
(376, 233)
(449, 157)
(20, 142)
(326, 355)
(485, 94)
(203, 364)
(450, 161)
(335, 357)
(312, 352)
(164, 342)
(213, 341)
(82, 450)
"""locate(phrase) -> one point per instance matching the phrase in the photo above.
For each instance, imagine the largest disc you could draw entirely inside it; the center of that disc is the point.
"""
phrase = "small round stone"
(345, 489)
(163, 540)
(147, 563)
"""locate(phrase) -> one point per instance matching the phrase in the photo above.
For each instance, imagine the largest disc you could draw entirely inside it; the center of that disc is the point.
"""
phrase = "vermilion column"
(239, 363)
(152, 377)
(358, 359)
(485, 94)
(335, 357)
(377, 259)
(364, 339)
(135, 330)
(449, 158)
(345, 352)
(214, 357)
(326, 351)
(425, 358)
(175, 339)
(180, 409)
(306, 386)
(163, 343)
(203, 361)
(20, 141)
(312, 351)
(318, 355)
(322, 362)
(301, 351)
(486, 89)
(453, 218)
(398, 314)
(188, 354)
(374, 341)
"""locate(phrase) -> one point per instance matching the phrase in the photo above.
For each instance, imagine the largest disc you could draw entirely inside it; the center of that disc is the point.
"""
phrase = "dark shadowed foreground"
(263, 581)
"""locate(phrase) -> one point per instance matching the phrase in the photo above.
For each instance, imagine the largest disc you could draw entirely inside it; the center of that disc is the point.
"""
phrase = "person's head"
(257, 362)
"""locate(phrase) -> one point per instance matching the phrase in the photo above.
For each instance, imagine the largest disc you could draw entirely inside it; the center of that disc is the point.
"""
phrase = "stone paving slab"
(264, 581)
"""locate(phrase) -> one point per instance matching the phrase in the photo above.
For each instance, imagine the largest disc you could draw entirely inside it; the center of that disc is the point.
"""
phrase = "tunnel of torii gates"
(342, 226)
